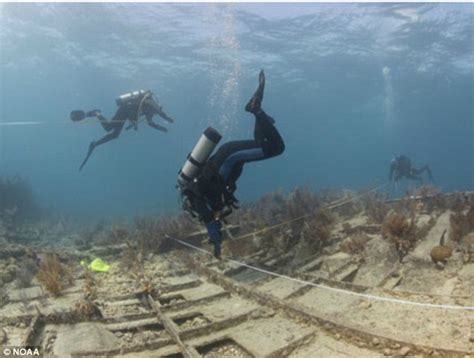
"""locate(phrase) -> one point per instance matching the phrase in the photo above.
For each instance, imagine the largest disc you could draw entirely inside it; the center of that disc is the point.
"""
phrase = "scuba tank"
(195, 169)
(131, 97)
(198, 157)
(137, 97)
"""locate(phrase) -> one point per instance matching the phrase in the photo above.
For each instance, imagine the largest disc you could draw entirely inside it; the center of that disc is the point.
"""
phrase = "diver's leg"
(255, 101)
(229, 148)
(107, 125)
(267, 142)
(105, 139)
(265, 132)
(423, 169)
(267, 135)
(413, 176)
(111, 136)
(117, 121)
(231, 157)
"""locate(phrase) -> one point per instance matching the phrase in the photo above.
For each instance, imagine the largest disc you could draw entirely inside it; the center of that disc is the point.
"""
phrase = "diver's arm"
(152, 124)
(163, 115)
(205, 214)
(213, 224)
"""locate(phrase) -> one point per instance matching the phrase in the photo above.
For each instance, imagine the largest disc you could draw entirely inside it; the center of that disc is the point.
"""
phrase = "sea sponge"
(441, 252)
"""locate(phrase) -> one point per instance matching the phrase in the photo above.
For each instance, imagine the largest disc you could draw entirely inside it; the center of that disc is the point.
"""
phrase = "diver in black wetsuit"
(400, 167)
(210, 196)
(131, 107)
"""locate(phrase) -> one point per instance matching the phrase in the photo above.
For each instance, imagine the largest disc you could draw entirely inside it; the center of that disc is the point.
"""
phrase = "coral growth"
(150, 233)
(274, 208)
(90, 286)
(461, 224)
(375, 207)
(86, 309)
(132, 262)
(401, 231)
(53, 275)
(467, 247)
(306, 224)
(355, 244)
(396, 225)
(301, 202)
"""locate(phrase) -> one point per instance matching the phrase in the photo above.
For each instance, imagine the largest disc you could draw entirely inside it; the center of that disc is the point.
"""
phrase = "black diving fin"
(77, 116)
(255, 103)
(89, 152)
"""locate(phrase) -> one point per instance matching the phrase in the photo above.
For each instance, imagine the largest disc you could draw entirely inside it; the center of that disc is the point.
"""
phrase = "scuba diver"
(207, 184)
(131, 106)
(400, 167)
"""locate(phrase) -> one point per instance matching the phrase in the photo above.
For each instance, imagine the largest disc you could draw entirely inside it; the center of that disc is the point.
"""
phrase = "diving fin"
(77, 116)
(254, 104)
(89, 152)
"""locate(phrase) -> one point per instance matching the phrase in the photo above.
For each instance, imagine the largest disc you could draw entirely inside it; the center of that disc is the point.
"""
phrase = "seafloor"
(357, 279)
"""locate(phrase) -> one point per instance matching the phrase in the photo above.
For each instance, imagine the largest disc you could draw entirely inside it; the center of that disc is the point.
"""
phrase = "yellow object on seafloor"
(97, 265)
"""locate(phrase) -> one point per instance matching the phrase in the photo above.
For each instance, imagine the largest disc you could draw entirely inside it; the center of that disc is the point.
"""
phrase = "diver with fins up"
(131, 107)
(207, 183)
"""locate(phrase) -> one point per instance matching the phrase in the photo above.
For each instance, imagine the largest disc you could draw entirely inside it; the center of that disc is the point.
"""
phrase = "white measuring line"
(339, 290)
(20, 123)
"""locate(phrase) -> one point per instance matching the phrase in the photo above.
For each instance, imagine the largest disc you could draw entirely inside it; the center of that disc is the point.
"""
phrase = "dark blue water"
(349, 85)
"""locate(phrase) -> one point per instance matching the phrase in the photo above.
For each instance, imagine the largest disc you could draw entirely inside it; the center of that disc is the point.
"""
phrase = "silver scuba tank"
(199, 155)
(130, 97)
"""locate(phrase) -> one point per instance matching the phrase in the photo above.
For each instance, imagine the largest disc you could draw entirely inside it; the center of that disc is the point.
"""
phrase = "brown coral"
(401, 232)
(375, 207)
(396, 225)
(355, 244)
(86, 309)
(461, 224)
(53, 275)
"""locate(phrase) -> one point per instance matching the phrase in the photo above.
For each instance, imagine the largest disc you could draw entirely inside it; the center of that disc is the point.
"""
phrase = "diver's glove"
(215, 236)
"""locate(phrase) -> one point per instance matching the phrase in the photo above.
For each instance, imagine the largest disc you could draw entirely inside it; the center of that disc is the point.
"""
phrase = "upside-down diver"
(207, 184)
(131, 106)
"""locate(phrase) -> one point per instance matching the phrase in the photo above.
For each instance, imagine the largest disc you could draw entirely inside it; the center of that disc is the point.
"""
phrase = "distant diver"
(400, 167)
(131, 106)
(207, 184)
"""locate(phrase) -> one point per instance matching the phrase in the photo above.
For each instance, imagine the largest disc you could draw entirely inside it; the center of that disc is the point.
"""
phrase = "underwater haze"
(349, 85)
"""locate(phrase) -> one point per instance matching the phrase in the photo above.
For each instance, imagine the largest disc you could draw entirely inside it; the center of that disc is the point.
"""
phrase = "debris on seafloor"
(226, 310)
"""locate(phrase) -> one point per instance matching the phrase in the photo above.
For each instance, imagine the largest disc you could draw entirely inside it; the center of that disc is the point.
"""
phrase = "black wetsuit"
(401, 167)
(217, 185)
(115, 125)
(127, 111)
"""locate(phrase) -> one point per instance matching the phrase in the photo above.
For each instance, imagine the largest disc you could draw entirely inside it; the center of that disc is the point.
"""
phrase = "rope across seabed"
(338, 290)
(324, 287)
